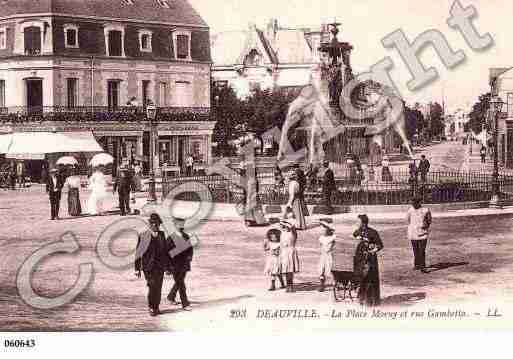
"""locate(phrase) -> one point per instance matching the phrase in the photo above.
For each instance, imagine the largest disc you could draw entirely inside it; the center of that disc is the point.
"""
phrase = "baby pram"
(346, 273)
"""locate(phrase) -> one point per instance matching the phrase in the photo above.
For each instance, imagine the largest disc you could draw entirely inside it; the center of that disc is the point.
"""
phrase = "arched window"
(145, 40)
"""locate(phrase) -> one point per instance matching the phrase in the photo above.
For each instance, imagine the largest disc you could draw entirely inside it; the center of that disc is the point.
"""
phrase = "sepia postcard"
(237, 166)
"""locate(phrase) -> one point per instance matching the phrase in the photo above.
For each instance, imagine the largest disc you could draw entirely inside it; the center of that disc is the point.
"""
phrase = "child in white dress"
(273, 263)
(327, 246)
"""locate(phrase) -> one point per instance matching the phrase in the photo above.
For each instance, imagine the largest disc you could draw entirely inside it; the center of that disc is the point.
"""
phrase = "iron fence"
(439, 187)
(21, 114)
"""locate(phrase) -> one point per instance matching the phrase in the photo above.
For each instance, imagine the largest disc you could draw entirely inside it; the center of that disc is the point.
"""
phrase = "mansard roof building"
(93, 65)
(277, 57)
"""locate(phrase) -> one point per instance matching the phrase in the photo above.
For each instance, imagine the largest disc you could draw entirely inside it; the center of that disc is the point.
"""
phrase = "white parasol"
(101, 159)
(67, 160)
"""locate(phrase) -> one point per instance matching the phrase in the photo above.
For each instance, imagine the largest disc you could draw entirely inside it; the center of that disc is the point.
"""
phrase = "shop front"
(175, 147)
(125, 146)
(33, 153)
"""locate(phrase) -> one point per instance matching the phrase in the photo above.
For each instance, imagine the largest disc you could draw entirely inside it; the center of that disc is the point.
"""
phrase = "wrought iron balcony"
(100, 113)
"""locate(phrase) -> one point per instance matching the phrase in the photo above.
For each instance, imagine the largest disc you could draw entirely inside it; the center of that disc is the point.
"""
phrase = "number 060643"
(19, 343)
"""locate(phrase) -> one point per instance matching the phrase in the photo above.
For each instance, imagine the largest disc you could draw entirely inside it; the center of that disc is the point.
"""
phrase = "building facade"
(455, 124)
(69, 65)
(501, 83)
(277, 57)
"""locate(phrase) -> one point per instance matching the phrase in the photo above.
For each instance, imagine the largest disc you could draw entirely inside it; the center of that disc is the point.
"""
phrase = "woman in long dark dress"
(366, 262)
(73, 185)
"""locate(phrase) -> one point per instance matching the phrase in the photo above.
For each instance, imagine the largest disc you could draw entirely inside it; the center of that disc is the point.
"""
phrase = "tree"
(479, 112)
(268, 109)
(227, 111)
(436, 115)
(415, 121)
(258, 113)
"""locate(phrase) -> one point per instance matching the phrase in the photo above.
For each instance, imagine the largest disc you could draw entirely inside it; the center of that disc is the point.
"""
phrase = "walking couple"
(156, 255)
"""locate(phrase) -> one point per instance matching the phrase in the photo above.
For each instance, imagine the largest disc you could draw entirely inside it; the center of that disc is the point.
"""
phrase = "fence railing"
(439, 187)
(21, 114)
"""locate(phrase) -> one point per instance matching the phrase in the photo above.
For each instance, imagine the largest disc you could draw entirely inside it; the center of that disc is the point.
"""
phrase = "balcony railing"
(18, 114)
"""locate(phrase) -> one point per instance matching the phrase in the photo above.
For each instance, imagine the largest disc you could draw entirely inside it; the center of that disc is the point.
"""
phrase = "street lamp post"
(151, 114)
(496, 105)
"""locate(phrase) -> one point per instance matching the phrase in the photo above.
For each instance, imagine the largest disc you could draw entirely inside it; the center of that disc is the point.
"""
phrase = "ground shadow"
(324, 210)
(105, 214)
(404, 299)
(266, 224)
(444, 265)
(309, 287)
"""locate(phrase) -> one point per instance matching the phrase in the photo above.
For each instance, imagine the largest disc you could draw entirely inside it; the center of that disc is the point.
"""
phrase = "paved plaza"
(470, 257)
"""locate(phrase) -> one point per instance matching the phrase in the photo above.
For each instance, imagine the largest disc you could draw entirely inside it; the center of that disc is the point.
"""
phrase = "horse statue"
(311, 113)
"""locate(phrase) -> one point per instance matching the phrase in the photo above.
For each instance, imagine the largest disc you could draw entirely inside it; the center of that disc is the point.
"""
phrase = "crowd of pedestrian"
(283, 261)
(126, 183)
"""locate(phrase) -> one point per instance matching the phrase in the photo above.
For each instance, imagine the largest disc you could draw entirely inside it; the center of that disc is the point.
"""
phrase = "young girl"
(273, 265)
(327, 243)
(289, 258)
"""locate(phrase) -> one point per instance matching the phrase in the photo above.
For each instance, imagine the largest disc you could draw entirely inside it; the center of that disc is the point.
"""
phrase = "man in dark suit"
(152, 257)
(328, 185)
(424, 166)
(180, 262)
(124, 184)
(54, 185)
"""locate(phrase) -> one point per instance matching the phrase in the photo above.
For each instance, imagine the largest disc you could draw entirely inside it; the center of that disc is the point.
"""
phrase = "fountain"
(317, 122)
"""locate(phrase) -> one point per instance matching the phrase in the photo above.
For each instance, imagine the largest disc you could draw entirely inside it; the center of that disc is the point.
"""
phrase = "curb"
(228, 213)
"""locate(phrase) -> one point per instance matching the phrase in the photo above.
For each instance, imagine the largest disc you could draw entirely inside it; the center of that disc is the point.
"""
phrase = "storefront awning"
(5, 142)
(36, 144)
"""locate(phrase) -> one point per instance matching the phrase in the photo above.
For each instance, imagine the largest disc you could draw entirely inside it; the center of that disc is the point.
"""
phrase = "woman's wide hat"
(327, 225)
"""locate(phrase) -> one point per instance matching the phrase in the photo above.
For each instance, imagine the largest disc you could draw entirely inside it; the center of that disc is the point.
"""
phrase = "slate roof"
(179, 11)
(289, 46)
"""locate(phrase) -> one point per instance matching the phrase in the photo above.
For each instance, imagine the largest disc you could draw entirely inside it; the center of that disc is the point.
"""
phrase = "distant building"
(75, 65)
(455, 123)
(277, 57)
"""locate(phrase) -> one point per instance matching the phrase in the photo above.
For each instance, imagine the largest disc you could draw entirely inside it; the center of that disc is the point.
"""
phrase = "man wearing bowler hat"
(181, 257)
(153, 259)
(54, 186)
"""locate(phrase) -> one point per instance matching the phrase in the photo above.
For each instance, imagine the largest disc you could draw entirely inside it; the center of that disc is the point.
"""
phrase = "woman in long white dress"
(98, 188)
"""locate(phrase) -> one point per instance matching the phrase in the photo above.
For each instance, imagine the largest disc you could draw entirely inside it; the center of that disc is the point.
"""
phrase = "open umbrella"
(67, 160)
(101, 159)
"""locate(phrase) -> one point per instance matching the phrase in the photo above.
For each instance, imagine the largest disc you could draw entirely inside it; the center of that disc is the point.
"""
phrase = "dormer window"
(32, 39)
(3, 38)
(71, 36)
(114, 40)
(145, 40)
(182, 45)
(163, 3)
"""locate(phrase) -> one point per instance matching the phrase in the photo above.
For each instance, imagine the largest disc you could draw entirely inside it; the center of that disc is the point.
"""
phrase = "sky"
(366, 22)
